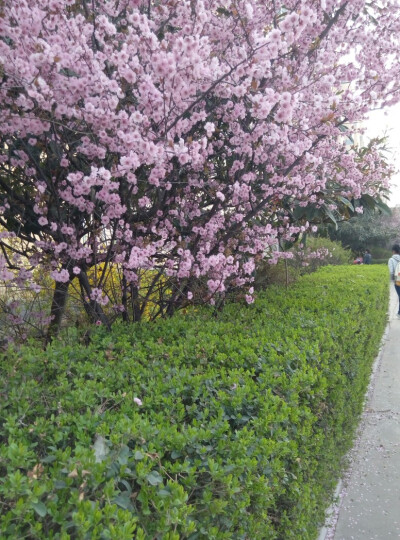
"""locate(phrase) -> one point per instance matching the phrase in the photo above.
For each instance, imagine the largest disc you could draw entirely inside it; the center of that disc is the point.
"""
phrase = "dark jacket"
(367, 258)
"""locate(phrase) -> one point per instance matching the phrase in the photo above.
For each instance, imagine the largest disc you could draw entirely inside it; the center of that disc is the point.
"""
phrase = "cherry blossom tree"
(179, 139)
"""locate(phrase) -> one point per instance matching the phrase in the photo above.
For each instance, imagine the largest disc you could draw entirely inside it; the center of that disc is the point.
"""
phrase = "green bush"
(380, 253)
(306, 258)
(337, 253)
(244, 421)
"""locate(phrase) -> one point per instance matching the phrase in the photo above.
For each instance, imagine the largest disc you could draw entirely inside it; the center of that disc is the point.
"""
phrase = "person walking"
(392, 263)
(367, 257)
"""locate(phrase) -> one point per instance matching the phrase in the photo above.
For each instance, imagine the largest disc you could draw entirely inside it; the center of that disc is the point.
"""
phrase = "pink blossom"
(36, 287)
(98, 296)
(210, 128)
(61, 276)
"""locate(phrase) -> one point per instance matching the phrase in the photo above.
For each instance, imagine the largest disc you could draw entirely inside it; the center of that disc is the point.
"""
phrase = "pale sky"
(387, 122)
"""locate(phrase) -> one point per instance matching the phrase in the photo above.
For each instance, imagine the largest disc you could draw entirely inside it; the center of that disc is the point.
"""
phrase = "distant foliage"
(305, 257)
(316, 252)
(374, 231)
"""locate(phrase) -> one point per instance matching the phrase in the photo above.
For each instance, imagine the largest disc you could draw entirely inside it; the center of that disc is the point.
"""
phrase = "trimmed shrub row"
(204, 426)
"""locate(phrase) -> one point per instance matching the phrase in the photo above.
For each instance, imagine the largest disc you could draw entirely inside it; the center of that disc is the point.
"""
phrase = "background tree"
(176, 140)
(370, 230)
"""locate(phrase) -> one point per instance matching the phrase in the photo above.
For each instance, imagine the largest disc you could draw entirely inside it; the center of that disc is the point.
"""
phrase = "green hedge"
(244, 421)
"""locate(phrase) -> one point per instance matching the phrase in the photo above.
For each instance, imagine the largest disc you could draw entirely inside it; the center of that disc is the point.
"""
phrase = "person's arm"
(391, 265)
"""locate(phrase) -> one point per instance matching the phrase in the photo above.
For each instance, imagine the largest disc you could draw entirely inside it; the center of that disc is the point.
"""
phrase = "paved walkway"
(369, 496)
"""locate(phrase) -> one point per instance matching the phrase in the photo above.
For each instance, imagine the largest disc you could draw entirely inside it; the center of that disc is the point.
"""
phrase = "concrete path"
(368, 505)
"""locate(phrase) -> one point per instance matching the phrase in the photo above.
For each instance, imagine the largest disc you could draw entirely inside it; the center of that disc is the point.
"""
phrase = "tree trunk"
(125, 315)
(93, 308)
(286, 273)
(136, 311)
(57, 311)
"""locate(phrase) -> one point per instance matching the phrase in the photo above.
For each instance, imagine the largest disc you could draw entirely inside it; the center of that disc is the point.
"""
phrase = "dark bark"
(57, 311)
(93, 308)
(137, 312)
(125, 315)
